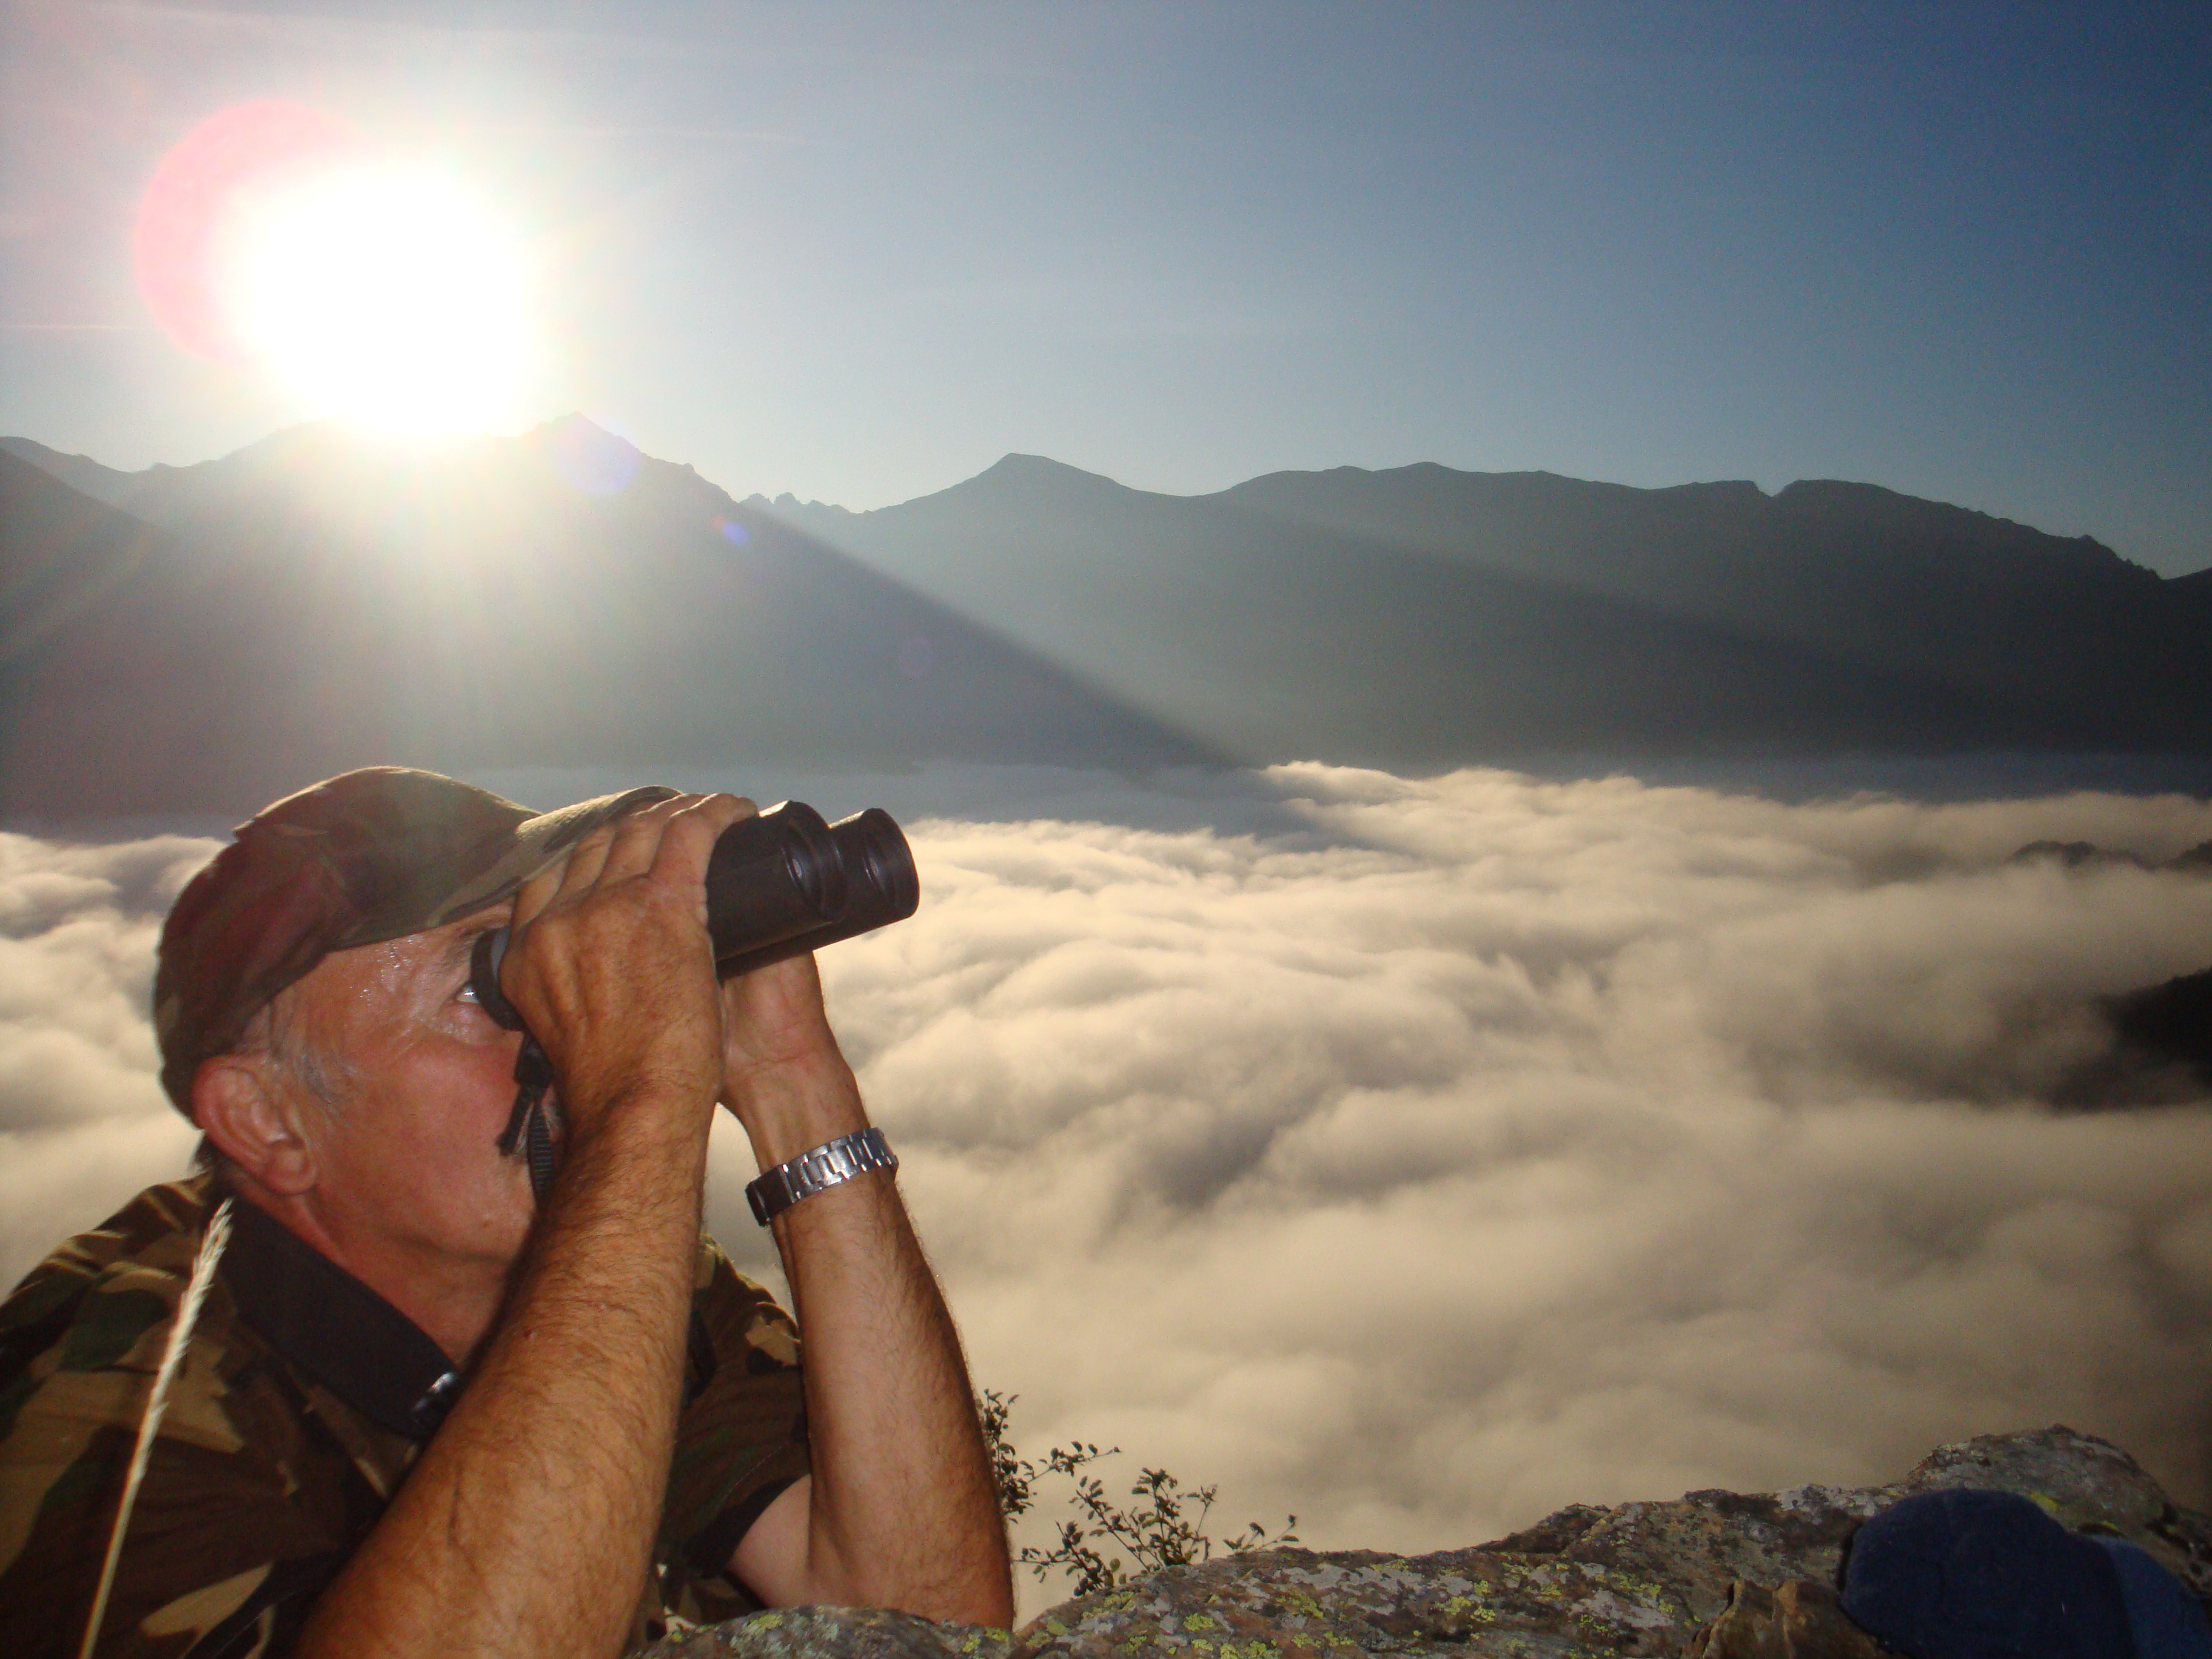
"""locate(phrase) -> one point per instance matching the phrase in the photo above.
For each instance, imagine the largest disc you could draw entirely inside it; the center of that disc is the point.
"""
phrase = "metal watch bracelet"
(827, 1165)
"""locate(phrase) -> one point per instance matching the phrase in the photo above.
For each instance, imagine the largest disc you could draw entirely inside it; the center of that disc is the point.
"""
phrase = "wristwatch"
(826, 1166)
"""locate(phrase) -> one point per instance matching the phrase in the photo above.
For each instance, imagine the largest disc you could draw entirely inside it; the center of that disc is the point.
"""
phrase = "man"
(420, 1412)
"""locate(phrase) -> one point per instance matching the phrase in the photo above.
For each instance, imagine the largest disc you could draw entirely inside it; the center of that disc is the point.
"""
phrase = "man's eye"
(467, 993)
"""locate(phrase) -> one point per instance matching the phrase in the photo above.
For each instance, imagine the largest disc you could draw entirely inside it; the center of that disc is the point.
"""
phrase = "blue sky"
(860, 252)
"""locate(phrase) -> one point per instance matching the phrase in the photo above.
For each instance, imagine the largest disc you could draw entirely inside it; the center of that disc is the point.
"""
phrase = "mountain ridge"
(2003, 635)
(80, 472)
(315, 603)
(112, 484)
(561, 598)
(1023, 465)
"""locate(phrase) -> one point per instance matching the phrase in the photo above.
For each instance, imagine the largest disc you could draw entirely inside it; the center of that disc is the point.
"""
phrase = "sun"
(382, 290)
(383, 293)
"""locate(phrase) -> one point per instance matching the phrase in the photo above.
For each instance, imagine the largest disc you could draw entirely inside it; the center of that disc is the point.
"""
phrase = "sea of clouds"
(1418, 1156)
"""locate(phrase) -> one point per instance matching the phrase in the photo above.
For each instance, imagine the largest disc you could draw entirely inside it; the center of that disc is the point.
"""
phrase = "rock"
(1643, 1578)
(833, 1633)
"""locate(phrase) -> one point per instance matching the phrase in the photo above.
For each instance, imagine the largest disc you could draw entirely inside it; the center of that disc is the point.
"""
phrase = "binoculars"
(778, 883)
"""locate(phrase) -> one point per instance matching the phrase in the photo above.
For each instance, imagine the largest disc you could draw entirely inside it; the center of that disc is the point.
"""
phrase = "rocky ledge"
(1643, 1578)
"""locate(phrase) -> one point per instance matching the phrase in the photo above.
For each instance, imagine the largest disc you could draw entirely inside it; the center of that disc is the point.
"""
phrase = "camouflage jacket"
(302, 1402)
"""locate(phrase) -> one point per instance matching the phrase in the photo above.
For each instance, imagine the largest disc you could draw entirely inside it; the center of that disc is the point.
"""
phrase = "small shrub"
(1106, 1543)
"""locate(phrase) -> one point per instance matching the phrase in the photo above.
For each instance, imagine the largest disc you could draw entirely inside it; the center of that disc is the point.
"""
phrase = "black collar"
(335, 1328)
(354, 1343)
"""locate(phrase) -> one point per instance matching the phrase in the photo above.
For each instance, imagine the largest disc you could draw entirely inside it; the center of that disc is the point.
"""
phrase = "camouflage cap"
(366, 856)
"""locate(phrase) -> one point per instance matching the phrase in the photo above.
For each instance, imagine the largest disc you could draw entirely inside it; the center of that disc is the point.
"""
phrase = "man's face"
(407, 1159)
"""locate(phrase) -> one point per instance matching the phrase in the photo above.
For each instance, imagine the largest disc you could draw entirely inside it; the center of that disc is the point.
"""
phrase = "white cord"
(149, 1422)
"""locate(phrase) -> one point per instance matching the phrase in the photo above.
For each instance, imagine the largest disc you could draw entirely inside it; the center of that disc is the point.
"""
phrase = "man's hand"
(773, 1017)
(783, 1075)
(612, 970)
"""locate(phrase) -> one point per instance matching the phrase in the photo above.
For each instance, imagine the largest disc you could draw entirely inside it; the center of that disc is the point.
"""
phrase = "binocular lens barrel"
(779, 884)
(875, 870)
(772, 878)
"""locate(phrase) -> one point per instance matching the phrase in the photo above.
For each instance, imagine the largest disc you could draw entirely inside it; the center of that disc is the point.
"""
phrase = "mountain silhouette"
(80, 472)
(205, 637)
(318, 601)
(1422, 615)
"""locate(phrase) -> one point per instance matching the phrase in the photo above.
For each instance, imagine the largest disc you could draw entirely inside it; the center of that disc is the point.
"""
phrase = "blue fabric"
(1984, 1575)
(2167, 1621)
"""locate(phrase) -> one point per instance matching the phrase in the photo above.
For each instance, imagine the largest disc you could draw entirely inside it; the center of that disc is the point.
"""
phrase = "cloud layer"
(1480, 1146)
(83, 1124)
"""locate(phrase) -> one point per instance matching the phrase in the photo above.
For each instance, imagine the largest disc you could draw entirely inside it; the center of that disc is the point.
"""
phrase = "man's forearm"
(903, 1512)
(526, 1527)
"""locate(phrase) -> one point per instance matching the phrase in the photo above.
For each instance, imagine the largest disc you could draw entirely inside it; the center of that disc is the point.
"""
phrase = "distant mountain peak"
(787, 503)
(1015, 462)
(1032, 471)
(574, 423)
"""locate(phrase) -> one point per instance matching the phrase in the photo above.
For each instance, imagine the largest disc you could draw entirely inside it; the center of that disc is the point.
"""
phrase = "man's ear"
(254, 1123)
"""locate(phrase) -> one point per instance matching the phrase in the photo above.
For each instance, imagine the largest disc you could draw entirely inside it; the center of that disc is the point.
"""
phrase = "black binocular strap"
(534, 1076)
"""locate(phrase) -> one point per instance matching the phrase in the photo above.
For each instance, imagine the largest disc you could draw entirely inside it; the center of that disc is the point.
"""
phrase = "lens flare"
(191, 195)
(361, 285)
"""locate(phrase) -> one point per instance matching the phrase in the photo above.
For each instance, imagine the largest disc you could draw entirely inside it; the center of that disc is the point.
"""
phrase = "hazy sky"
(860, 252)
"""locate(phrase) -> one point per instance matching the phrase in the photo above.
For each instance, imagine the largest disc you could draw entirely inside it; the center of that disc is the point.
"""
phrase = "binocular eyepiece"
(778, 883)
